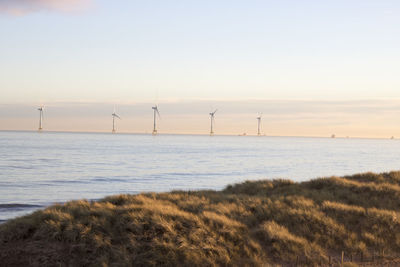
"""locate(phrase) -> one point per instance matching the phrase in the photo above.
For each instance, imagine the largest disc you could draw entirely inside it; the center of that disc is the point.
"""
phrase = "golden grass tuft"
(258, 223)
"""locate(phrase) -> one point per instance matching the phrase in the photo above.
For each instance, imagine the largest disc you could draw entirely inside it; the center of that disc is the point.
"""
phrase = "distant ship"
(333, 136)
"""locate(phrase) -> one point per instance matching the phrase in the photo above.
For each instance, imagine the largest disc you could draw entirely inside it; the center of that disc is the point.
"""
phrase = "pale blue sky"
(129, 50)
(81, 60)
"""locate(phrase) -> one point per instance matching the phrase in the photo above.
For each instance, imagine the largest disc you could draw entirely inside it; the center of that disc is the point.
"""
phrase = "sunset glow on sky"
(311, 67)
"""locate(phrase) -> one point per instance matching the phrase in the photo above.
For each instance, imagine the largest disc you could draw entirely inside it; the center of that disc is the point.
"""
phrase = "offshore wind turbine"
(212, 119)
(40, 117)
(259, 124)
(114, 115)
(156, 113)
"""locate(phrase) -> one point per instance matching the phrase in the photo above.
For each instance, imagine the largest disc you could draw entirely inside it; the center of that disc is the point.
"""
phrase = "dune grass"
(257, 223)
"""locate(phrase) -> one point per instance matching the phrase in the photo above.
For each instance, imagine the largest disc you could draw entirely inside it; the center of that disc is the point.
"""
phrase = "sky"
(312, 68)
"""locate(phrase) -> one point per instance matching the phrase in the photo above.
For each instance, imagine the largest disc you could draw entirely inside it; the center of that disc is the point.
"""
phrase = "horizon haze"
(364, 118)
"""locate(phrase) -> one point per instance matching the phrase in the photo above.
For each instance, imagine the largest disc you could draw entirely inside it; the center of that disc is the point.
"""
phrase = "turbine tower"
(114, 115)
(40, 118)
(259, 124)
(155, 110)
(212, 121)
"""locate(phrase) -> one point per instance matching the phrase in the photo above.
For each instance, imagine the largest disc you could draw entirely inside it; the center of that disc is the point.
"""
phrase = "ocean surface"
(38, 169)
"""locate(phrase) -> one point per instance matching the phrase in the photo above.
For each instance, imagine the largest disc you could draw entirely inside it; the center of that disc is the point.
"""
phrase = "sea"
(39, 169)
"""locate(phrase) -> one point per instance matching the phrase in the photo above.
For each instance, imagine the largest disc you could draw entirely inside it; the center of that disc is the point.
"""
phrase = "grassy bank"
(253, 223)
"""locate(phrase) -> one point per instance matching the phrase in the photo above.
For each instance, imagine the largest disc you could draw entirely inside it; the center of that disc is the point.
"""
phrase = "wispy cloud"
(23, 7)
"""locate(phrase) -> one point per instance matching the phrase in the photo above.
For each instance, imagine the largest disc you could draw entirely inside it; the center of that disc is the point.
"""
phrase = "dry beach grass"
(257, 223)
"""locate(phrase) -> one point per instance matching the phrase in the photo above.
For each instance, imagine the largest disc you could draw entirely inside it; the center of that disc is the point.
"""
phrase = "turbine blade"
(115, 115)
(215, 111)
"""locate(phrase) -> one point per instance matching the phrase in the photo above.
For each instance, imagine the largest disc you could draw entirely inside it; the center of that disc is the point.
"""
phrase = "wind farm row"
(156, 116)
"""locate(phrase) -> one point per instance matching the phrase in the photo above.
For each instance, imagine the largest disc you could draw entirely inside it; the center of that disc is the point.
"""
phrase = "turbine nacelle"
(213, 113)
(115, 115)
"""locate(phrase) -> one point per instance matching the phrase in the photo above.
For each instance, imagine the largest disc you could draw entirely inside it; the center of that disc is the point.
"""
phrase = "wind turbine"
(155, 108)
(40, 117)
(114, 115)
(259, 124)
(212, 121)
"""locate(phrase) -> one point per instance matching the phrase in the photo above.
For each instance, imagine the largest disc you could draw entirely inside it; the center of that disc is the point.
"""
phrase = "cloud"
(23, 7)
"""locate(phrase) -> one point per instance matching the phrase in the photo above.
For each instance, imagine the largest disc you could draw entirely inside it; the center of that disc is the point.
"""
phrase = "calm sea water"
(38, 169)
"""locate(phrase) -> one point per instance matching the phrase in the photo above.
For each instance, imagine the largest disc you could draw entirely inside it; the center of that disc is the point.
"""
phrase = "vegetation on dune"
(249, 224)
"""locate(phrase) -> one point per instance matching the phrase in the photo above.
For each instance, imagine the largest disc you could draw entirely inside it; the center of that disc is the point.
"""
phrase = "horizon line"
(201, 134)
